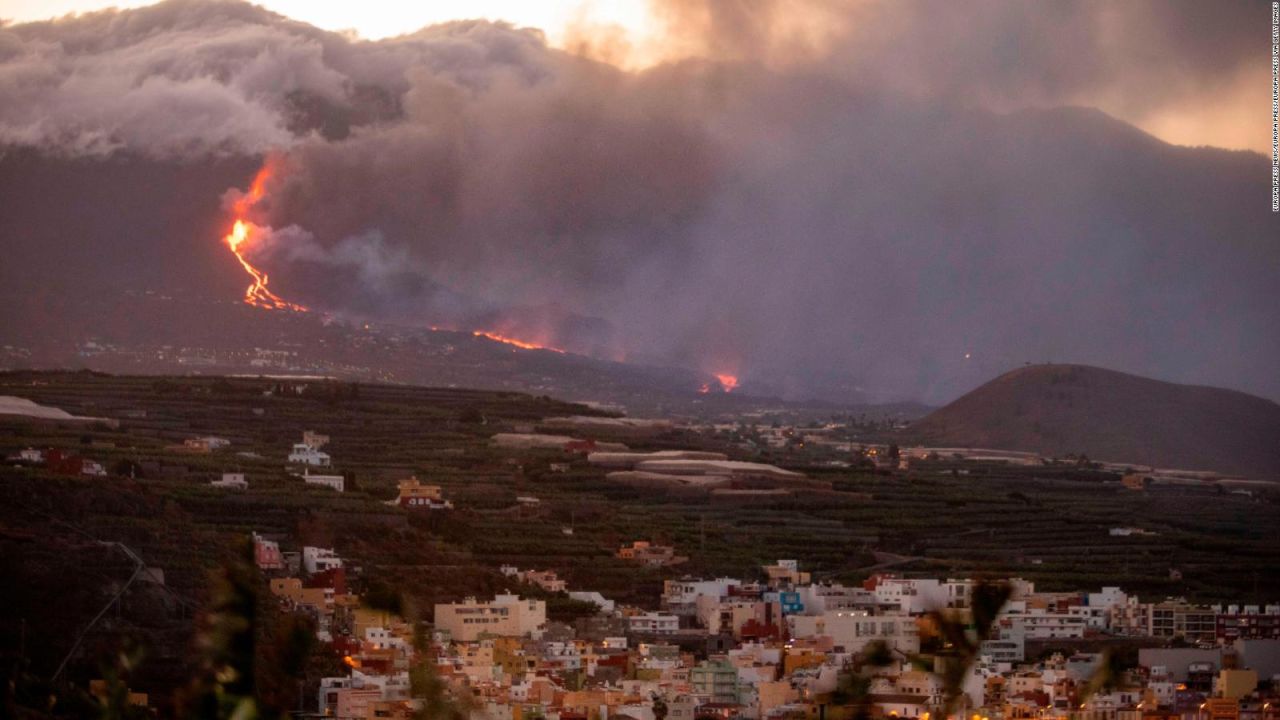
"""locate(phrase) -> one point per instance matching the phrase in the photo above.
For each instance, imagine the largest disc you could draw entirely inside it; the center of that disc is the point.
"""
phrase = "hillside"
(1108, 415)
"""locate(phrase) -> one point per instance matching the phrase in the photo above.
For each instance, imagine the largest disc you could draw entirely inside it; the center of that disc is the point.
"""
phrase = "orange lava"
(728, 383)
(242, 233)
(522, 344)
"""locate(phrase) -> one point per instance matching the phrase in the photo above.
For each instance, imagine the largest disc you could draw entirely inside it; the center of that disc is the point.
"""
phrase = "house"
(304, 454)
(318, 559)
(314, 440)
(231, 481)
(266, 553)
(205, 444)
(647, 553)
(336, 482)
(28, 455)
(414, 494)
(785, 573)
(545, 579)
(69, 464)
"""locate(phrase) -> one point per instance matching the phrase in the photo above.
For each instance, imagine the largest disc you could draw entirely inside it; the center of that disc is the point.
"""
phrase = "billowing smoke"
(823, 197)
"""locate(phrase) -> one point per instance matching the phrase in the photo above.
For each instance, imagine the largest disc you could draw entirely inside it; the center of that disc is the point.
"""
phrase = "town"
(540, 559)
(780, 646)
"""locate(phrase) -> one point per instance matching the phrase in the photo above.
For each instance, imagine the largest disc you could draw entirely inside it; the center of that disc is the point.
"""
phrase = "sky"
(1234, 114)
(379, 19)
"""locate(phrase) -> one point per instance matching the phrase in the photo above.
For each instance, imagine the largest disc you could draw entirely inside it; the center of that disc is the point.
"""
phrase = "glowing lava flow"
(728, 383)
(242, 232)
(514, 342)
(242, 235)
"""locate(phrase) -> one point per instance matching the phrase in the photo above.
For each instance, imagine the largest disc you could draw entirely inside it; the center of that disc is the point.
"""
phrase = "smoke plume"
(897, 200)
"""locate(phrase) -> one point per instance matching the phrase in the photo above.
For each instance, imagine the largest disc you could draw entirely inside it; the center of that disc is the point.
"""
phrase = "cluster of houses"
(59, 461)
(308, 454)
(783, 647)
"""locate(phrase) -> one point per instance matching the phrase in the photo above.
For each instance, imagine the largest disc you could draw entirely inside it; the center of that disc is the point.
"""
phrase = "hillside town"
(592, 567)
(782, 646)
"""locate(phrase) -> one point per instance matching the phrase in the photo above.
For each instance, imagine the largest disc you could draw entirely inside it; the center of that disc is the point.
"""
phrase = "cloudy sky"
(1155, 54)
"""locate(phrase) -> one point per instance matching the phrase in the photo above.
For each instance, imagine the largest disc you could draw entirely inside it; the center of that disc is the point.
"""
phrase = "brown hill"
(1108, 415)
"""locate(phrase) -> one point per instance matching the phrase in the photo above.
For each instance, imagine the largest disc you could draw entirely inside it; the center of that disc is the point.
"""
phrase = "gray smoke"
(862, 197)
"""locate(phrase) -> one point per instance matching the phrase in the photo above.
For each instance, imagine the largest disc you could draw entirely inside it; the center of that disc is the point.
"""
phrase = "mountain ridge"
(1114, 416)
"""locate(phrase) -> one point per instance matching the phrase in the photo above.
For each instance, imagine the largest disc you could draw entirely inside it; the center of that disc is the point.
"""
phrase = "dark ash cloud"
(822, 197)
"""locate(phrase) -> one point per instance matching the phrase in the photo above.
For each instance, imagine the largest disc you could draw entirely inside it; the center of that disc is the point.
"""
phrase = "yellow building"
(1221, 708)
(291, 589)
(505, 616)
(1235, 684)
(508, 652)
(414, 494)
(775, 693)
(363, 618)
(801, 658)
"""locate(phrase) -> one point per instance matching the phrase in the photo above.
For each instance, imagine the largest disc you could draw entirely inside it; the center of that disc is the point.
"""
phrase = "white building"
(232, 481)
(30, 455)
(389, 687)
(335, 482)
(381, 639)
(853, 630)
(318, 559)
(1008, 641)
(654, 623)
(681, 596)
(506, 616)
(818, 599)
(92, 467)
(1038, 624)
(911, 595)
(304, 454)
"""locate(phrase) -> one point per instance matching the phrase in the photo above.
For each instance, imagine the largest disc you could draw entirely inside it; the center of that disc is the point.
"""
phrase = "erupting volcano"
(242, 232)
